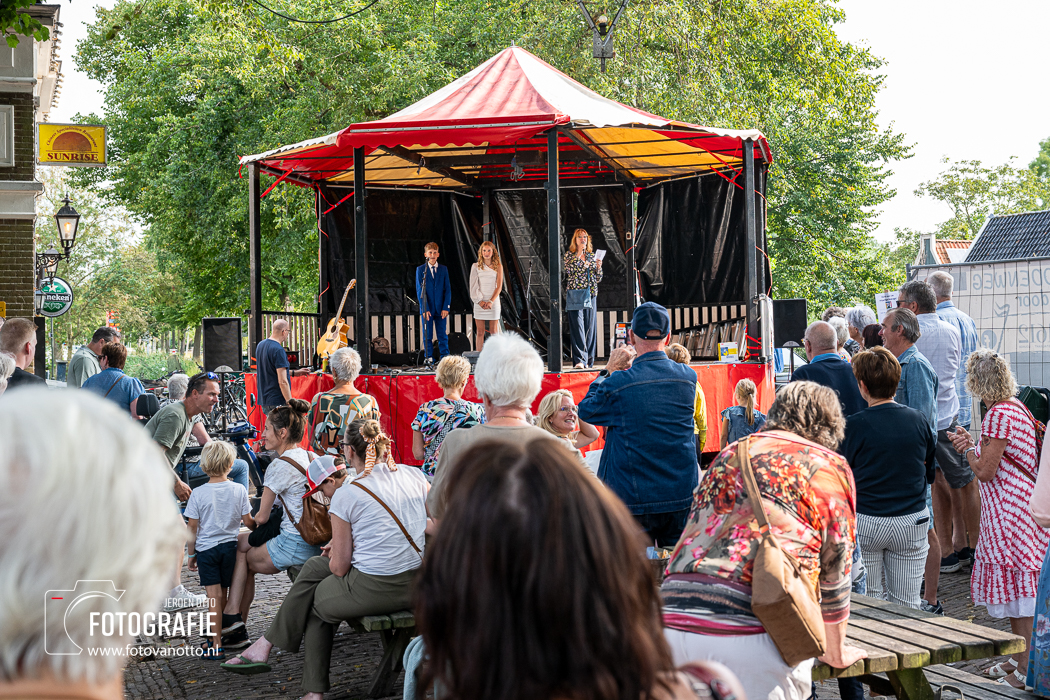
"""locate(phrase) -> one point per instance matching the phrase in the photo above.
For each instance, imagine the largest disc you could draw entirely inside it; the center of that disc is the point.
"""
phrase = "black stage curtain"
(691, 246)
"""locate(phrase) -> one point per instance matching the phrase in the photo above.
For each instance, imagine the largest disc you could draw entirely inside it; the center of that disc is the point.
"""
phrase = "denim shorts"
(287, 550)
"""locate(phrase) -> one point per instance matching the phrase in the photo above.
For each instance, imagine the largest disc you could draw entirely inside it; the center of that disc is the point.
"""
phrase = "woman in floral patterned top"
(439, 417)
(582, 270)
(810, 500)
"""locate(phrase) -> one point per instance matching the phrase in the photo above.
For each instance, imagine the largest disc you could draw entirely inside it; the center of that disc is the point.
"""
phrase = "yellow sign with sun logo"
(71, 144)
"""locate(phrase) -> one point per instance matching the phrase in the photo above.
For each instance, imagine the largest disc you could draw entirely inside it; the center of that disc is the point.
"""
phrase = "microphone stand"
(528, 306)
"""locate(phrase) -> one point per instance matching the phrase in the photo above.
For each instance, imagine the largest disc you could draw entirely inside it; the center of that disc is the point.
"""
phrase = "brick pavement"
(354, 659)
(356, 656)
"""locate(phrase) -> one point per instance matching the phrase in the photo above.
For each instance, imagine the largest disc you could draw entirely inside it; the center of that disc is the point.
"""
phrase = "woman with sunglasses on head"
(368, 567)
(559, 416)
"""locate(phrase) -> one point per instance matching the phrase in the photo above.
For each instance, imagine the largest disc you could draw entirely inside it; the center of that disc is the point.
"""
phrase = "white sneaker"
(182, 599)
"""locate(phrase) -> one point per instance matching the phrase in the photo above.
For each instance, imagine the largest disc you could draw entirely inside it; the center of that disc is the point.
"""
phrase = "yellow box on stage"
(71, 144)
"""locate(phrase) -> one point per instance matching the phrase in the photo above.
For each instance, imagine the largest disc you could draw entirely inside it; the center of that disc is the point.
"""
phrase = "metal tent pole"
(554, 251)
(361, 320)
(255, 322)
(631, 235)
(753, 330)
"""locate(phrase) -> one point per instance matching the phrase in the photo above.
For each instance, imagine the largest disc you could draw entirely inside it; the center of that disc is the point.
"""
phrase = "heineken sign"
(58, 297)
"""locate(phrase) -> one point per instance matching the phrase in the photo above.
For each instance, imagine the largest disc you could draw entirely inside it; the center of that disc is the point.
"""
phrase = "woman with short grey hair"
(7, 368)
(58, 544)
(177, 384)
(857, 319)
(1011, 545)
(508, 376)
(331, 411)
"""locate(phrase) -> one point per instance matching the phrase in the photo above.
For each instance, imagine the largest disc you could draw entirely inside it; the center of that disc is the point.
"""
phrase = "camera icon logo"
(70, 609)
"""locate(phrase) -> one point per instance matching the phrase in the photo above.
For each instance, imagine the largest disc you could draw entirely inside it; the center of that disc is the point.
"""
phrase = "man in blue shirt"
(646, 402)
(827, 368)
(435, 299)
(917, 389)
(111, 383)
(271, 362)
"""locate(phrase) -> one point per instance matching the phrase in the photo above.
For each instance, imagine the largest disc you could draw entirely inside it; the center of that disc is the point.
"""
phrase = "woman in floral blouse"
(810, 500)
(583, 271)
(438, 417)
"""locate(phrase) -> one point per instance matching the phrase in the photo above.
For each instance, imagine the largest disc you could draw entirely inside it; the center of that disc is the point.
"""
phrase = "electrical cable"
(315, 21)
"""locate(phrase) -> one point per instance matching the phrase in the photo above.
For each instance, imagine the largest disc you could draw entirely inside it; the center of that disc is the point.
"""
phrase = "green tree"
(1041, 165)
(14, 23)
(192, 84)
(974, 192)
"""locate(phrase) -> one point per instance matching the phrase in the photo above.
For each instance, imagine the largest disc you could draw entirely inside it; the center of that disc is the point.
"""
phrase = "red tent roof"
(479, 127)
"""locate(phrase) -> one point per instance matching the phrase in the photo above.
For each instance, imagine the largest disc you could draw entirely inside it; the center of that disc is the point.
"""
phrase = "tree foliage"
(14, 23)
(192, 84)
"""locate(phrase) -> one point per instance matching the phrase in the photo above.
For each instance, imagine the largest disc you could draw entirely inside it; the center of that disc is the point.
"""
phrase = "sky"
(964, 80)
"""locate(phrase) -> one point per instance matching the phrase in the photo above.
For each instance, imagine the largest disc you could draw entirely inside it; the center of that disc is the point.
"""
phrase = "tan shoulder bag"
(315, 525)
(781, 596)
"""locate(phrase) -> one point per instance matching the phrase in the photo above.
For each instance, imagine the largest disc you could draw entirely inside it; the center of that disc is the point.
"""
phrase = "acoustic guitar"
(335, 336)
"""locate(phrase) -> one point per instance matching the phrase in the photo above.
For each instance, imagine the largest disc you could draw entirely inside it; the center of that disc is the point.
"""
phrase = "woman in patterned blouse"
(808, 493)
(438, 417)
(583, 271)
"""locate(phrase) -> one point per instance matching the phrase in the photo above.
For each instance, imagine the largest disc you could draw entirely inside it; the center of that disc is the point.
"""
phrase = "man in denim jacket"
(646, 400)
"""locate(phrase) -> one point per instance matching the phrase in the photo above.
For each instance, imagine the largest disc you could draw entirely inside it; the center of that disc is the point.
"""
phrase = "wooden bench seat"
(974, 687)
(395, 630)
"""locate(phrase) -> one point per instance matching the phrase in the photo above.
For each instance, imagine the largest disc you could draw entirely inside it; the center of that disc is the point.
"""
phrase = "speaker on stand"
(789, 324)
(222, 343)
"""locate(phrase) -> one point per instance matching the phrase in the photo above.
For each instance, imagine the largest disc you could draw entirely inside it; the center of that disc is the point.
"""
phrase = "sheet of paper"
(599, 254)
(885, 301)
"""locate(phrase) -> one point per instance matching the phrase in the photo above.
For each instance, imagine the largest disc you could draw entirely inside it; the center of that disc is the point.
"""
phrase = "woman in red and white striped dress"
(1011, 545)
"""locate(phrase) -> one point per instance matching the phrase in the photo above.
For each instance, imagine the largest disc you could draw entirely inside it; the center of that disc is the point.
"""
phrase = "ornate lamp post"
(68, 220)
(47, 263)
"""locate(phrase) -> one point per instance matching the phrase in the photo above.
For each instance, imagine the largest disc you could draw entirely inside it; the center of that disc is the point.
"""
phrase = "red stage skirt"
(399, 397)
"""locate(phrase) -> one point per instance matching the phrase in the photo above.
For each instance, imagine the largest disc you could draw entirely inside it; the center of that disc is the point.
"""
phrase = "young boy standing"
(435, 299)
(215, 511)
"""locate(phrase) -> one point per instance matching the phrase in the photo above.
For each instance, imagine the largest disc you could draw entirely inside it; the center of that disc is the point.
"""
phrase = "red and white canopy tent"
(514, 120)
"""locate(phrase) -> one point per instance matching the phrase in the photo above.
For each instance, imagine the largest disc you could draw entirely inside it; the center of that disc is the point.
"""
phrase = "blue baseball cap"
(650, 317)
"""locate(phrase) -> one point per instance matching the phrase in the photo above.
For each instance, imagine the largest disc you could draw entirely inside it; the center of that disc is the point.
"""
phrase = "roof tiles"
(1012, 237)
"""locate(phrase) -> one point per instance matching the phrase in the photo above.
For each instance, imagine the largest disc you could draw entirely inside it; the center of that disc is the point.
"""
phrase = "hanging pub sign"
(71, 144)
(58, 297)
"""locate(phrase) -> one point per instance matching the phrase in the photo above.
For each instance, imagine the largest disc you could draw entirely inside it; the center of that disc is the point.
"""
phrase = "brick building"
(30, 75)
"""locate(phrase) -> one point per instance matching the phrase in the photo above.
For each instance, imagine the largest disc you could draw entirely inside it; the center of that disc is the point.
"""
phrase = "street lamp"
(67, 219)
(47, 263)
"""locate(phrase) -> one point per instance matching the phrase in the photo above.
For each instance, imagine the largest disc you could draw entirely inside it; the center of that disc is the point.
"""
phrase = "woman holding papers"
(582, 272)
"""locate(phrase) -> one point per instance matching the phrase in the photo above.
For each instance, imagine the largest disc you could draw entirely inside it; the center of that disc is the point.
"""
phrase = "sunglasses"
(569, 409)
(211, 375)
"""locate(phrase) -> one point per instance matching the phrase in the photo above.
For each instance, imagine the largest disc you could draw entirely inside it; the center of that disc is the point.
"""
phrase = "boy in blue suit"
(435, 298)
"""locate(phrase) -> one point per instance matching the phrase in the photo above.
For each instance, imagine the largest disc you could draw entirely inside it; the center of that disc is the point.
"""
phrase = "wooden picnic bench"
(903, 642)
(395, 630)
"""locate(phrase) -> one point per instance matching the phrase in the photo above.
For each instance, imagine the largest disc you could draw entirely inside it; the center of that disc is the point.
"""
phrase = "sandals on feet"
(246, 667)
(212, 653)
(1000, 670)
(1014, 680)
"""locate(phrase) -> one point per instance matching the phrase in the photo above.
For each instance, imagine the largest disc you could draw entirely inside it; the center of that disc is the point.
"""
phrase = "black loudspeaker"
(458, 343)
(789, 322)
(222, 343)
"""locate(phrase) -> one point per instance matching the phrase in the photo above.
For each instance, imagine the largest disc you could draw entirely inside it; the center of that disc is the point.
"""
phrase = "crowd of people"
(527, 571)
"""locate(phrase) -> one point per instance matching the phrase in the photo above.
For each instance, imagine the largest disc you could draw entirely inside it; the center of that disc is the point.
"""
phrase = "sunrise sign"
(71, 144)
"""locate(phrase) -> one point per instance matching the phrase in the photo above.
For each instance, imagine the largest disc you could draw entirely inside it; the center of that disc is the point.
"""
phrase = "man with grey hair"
(965, 502)
(916, 389)
(508, 376)
(955, 486)
(827, 368)
(84, 364)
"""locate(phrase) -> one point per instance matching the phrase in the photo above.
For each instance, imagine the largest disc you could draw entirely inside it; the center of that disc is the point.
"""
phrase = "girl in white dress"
(486, 282)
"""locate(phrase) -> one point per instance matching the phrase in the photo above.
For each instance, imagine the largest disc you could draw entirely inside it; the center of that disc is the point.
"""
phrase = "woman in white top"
(284, 485)
(486, 282)
(367, 568)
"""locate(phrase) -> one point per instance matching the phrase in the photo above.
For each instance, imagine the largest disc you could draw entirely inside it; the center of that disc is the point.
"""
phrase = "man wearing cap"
(645, 400)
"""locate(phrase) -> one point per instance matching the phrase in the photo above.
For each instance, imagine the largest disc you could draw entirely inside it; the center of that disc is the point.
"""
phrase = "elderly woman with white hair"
(331, 411)
(63, 455)
(857, 319)
(508, 377)
(1011, 545)
(841, 336)
(7, 368)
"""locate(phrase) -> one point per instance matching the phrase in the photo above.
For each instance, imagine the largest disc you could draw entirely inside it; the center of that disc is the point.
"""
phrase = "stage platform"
(399, 395)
